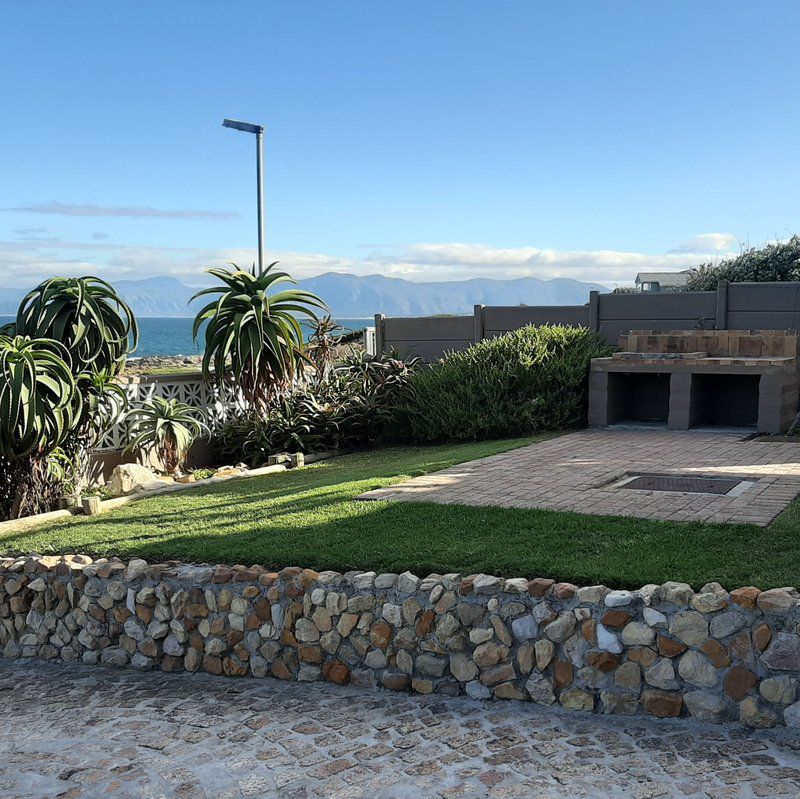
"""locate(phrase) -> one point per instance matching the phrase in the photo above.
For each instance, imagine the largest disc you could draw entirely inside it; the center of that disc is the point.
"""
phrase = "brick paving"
(576, 472)
(77, 732)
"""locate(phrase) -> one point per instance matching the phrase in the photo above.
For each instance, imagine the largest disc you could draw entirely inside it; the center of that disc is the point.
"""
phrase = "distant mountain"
(352, 296)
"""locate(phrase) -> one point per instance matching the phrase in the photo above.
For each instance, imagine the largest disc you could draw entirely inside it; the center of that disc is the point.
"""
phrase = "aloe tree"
(167, 427)
(253, 330)
(88, 317)
(39, 406)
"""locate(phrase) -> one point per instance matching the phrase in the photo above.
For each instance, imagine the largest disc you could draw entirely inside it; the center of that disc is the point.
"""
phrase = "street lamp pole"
(248, 127)
(260, 190)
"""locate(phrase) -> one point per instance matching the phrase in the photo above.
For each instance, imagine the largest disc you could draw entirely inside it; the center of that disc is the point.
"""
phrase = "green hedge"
(529, 380)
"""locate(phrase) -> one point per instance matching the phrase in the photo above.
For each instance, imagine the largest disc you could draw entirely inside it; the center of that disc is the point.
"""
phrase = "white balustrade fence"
(216, 405)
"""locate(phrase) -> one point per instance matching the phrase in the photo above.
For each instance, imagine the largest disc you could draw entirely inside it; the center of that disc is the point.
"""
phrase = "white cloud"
(22, 262)
(709, 244)
(72, 209)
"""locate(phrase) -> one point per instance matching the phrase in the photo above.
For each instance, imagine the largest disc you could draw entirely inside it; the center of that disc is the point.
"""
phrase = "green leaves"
(168, 427)
(84, 314)
(39, 401)
(354, 406)
(526, 381)
(253, 331)
(774, 262)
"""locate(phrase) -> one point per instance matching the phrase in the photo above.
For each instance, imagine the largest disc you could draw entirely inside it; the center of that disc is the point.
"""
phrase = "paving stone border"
(662, 650)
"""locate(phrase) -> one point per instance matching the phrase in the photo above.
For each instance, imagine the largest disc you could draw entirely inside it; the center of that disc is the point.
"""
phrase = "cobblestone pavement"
(576, 472)
(78, 731)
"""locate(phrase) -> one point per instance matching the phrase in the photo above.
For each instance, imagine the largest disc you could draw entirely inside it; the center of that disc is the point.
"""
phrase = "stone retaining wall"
(662, 650)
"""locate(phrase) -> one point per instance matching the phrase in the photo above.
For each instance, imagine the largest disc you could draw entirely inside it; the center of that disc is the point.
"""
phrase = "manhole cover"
(677, 482)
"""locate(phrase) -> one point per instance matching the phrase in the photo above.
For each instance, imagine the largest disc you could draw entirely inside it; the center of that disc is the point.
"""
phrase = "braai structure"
(698, 378)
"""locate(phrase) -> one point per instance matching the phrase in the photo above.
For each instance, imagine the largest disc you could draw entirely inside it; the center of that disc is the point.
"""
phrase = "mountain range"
(351, 296)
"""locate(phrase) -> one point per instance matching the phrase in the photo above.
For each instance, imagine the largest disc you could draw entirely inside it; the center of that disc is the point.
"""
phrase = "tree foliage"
(253, 330)
(168, 427)
(773, 262)
(61, 357)
(39, 403)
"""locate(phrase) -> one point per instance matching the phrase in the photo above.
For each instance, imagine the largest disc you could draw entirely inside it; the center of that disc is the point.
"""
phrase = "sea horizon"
(171, 336)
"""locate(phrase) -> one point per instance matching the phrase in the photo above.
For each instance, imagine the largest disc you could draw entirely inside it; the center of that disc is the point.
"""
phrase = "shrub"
(774, 262)
(528, 380)
(354, 407)
(166, 427)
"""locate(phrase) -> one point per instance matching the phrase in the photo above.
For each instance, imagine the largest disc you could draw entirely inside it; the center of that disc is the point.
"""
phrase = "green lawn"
(308, 518)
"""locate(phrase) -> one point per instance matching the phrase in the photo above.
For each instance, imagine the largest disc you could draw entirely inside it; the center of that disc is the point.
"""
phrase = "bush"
(774, 262)
(354, 407)
(526, 381)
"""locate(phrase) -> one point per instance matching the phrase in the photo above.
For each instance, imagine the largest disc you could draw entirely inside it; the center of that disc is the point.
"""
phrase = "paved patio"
(576, 472)
(78, 732)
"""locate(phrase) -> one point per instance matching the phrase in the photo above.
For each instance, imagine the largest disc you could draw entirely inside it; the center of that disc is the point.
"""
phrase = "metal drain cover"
(678, 482)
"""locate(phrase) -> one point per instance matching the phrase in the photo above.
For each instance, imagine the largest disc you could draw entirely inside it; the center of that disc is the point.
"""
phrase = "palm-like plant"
(39, 402)
(167, 427)
(87, 316)
(97, 326)
(254, 329)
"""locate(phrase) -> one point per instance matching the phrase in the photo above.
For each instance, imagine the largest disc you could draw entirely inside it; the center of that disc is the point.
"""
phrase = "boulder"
(129, 477)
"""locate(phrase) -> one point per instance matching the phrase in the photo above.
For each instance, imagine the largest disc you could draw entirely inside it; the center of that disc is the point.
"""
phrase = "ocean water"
(173, 335)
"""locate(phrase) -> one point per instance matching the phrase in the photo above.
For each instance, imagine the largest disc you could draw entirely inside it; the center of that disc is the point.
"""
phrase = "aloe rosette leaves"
(253, 330)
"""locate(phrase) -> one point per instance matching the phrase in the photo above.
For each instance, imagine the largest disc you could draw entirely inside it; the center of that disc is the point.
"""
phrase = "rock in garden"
(628, 676)
(679, 594)
(619, 704)
(477, 690)
(461, 667)
(661, 674)
(726, 624)
(607, 640)
(128, 477)
(577, 699)
(781, 689)
(545, 651)
(707, 706)
(654, 618)
(662, 703)
(616, 599)
(778, 601)
(753, 713)
(540, 690)
(561, 629)
(136, 568)
(524, 628)
(783, 653)
(486, 584)
(690, 627)
(697, 670)
(407, 583)
(791, 715)
(638, 634)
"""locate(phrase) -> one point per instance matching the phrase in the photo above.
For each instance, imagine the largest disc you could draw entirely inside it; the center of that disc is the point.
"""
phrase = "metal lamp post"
(247, 127)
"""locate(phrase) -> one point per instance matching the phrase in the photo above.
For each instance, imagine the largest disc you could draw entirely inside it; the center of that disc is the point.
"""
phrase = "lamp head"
(247, 127)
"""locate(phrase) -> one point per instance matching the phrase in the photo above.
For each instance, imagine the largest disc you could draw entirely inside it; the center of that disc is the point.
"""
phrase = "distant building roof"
(663, 278)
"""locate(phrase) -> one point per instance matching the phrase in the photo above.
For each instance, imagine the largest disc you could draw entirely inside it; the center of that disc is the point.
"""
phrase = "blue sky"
(438, 141)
